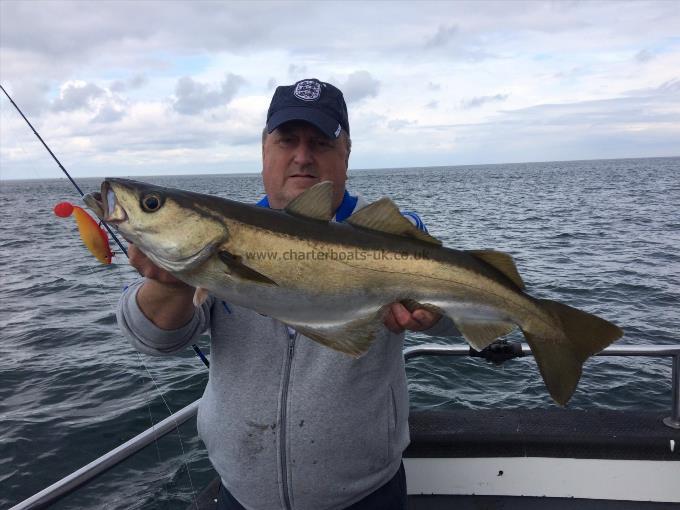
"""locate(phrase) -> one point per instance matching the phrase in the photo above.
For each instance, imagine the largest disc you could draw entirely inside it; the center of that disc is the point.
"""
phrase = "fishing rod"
(196, 348)
(120, 245)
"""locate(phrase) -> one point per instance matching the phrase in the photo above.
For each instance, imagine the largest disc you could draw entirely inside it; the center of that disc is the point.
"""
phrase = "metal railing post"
(673, 420)
(70, 483)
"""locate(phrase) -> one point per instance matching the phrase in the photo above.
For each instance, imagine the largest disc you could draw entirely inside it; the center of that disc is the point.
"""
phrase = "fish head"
(172, 227)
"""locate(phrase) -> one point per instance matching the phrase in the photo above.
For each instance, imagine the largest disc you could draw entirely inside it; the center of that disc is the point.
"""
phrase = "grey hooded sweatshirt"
(288, 423)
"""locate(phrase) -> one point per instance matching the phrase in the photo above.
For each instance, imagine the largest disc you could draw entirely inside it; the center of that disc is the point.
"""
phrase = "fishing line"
(160, 393)
(148, 404)
(111, 306)
(92, 270)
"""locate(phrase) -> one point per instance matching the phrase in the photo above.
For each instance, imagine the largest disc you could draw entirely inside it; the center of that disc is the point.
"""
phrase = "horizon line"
(348, 171)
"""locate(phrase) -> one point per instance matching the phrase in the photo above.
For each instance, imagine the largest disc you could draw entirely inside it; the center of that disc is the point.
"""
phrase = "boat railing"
(497, 352)
(501, 351)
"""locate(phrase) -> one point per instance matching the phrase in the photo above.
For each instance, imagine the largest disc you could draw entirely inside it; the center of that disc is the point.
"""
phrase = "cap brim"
(325, 123)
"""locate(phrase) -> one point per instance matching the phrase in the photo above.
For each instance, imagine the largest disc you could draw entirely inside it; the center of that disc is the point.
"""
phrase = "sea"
(600, 235)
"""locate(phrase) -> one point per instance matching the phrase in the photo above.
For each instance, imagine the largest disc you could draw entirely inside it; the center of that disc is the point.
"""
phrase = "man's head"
(306, 141)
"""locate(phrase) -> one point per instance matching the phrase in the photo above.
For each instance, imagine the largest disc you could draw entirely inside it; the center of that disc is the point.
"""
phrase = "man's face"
(295, 156)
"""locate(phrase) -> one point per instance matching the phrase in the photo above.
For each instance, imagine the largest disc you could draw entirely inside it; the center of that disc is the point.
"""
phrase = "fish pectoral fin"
(383, 216)
(200, 296)
(481, 334)
(501, 261)
(239, 270)
(353, 338)
(315, 203)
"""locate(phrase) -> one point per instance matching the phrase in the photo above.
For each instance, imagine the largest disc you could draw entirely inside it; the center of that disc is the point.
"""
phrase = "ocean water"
(600, 235)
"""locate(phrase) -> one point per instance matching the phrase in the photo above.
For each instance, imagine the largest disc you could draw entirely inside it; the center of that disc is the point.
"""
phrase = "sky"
(156, 88)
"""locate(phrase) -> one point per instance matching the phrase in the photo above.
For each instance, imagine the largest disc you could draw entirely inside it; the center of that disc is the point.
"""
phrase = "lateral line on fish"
(519, 304)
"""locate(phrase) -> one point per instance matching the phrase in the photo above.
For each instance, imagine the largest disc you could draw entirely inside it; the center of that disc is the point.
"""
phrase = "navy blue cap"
(313, 101)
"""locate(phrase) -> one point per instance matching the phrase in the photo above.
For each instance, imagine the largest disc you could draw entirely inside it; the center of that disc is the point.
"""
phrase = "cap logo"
(307, 90)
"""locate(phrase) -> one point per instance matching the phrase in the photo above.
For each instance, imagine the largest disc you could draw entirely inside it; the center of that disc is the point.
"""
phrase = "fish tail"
(561, 351)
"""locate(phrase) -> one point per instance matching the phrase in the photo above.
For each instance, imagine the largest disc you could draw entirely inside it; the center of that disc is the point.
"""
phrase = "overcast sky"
(143, 87)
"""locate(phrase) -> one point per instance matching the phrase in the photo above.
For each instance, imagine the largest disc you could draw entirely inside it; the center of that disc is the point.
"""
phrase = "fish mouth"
(94, 203)
(105, 205)
(110, 207)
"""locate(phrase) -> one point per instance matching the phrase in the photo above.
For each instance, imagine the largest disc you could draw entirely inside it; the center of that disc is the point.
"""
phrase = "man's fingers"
(402, 316)
(425, 318)
(399, 319)
(391, 323)
(421, 315)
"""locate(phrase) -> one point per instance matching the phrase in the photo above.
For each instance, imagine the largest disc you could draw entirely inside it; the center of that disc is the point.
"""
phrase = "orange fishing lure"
(91, 233)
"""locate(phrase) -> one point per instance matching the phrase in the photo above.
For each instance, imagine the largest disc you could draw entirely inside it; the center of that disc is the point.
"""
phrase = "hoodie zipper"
(282, 417)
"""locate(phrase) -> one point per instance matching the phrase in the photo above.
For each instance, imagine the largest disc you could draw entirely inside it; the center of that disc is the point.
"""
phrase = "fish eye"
(151, 203)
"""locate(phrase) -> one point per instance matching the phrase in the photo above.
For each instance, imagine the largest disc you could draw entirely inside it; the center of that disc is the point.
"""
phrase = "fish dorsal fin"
(315, 203)
(501, 261)
(383, 216)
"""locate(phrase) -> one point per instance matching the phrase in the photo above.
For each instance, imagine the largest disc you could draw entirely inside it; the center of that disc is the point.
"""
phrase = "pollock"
(333, 282)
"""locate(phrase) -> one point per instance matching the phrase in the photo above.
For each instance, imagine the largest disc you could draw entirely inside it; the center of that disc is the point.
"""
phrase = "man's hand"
(398, 318)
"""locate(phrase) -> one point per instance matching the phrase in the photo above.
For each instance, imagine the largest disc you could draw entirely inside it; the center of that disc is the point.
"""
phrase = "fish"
(334, 282)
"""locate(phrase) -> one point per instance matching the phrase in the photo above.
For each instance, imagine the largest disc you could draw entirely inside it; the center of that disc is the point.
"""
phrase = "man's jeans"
(391, 496)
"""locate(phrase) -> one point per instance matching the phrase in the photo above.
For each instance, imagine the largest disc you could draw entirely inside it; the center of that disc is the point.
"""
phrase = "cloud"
(297, 72)
(453, 44)
(135, 82)
(79, 97)
(443, 36)
(76, 95)
(80, 68)
(478, 101)
(193, 97)
(397, 124)
(635, 125)
(571, 73)
(667, 88)
(30, 95)
(643, 56)
(108, 114)
(671, 87)
(360, 85)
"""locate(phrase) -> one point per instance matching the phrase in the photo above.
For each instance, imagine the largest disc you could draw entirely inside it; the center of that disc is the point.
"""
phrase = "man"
(288, 423)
